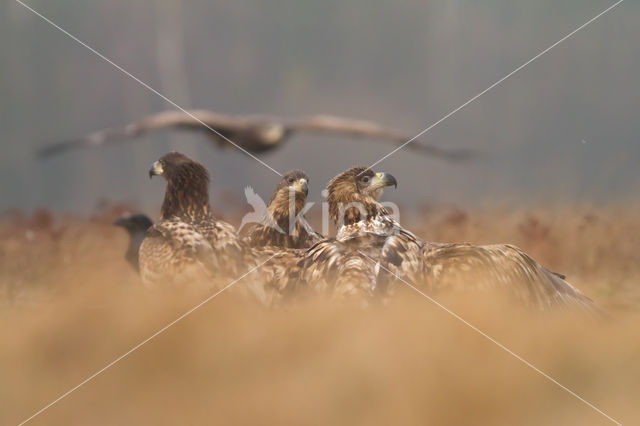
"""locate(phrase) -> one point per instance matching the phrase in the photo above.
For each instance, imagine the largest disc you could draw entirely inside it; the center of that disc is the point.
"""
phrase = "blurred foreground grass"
(70, 305)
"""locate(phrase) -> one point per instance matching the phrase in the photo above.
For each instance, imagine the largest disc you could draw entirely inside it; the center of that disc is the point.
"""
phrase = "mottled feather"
(188, 243)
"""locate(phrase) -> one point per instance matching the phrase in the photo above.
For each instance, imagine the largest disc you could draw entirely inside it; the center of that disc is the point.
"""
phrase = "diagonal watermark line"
(136, 347)
(491, 339)
(145, 85)
(497, 83)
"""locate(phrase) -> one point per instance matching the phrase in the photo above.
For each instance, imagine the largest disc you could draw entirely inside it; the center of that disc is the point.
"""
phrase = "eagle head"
(355, 193)
(293, 187)
(187, 193)
(176, 165)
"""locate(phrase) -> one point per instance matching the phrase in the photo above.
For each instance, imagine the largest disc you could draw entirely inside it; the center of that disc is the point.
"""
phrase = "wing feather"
(163, 120)
(175, 251)
(334, 267)
(449, 266)
(369, 129)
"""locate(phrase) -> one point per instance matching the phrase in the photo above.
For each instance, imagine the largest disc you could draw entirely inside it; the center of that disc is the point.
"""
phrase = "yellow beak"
(156, 169)
(383, 179)
(301, 186)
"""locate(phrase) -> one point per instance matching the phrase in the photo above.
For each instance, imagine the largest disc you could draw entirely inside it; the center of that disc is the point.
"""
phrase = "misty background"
(564, 129)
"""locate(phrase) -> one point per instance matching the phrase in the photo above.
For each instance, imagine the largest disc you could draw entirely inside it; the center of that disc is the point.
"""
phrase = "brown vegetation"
(70, 304)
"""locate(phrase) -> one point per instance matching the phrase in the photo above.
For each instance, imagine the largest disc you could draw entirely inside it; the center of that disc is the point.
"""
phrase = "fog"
(564, 128)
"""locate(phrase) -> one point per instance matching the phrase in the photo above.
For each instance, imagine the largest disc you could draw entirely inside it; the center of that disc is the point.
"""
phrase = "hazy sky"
(564, 128)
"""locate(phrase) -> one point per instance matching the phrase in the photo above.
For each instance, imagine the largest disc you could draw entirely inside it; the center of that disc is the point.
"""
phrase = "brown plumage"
(255, 134)
(280, 276)
(283, 225)
(371, 251)
(188, 242)
(501, 267)
(276, 236)
(342, 266)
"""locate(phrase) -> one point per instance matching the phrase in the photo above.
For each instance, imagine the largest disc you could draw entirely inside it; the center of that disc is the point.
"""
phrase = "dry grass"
(70, 305)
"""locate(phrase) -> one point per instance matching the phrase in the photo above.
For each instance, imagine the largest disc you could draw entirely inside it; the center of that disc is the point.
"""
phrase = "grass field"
(69, 305)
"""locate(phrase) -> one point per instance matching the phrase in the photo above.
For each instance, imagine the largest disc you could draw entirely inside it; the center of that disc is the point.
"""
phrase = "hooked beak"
(301, 186)
(383, 179)
(156, 170)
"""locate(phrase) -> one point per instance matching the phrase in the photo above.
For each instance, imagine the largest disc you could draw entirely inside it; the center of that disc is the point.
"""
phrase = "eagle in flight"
(254, 133)
(372, 253)
(188, 242)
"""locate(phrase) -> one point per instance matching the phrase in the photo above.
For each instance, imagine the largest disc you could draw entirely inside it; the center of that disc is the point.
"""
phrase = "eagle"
(281, 235)
(343, 266)
(136, 226)
(188, 242)
(253, 133)
(372, 254)
(282, 223)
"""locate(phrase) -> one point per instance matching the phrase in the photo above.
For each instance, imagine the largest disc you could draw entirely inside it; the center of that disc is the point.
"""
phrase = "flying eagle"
(254, 133)
(136, 226)
(283, 224)
(188, 242)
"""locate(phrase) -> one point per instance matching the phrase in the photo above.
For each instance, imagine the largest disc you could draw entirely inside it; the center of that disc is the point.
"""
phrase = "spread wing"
(368, 129)
(175, 250)
(500, 266)
(164, 120)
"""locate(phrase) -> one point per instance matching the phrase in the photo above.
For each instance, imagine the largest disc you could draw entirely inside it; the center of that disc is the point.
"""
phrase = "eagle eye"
(365, 179)
(290, 180)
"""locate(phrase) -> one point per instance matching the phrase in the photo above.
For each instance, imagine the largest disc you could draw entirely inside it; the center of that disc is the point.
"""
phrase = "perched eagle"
(282, 224)
(343, 266)
(371, 251)
(188, 242)
(281, 235)
(136, 226)
(254, 133)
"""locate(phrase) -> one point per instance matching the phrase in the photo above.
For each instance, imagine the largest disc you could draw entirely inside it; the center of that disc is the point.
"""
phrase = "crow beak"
(384, 179)
(156, 170)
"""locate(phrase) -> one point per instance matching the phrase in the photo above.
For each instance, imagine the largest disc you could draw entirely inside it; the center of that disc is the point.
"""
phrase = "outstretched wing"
(368, 129)
(500, 266)
(194, 120)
